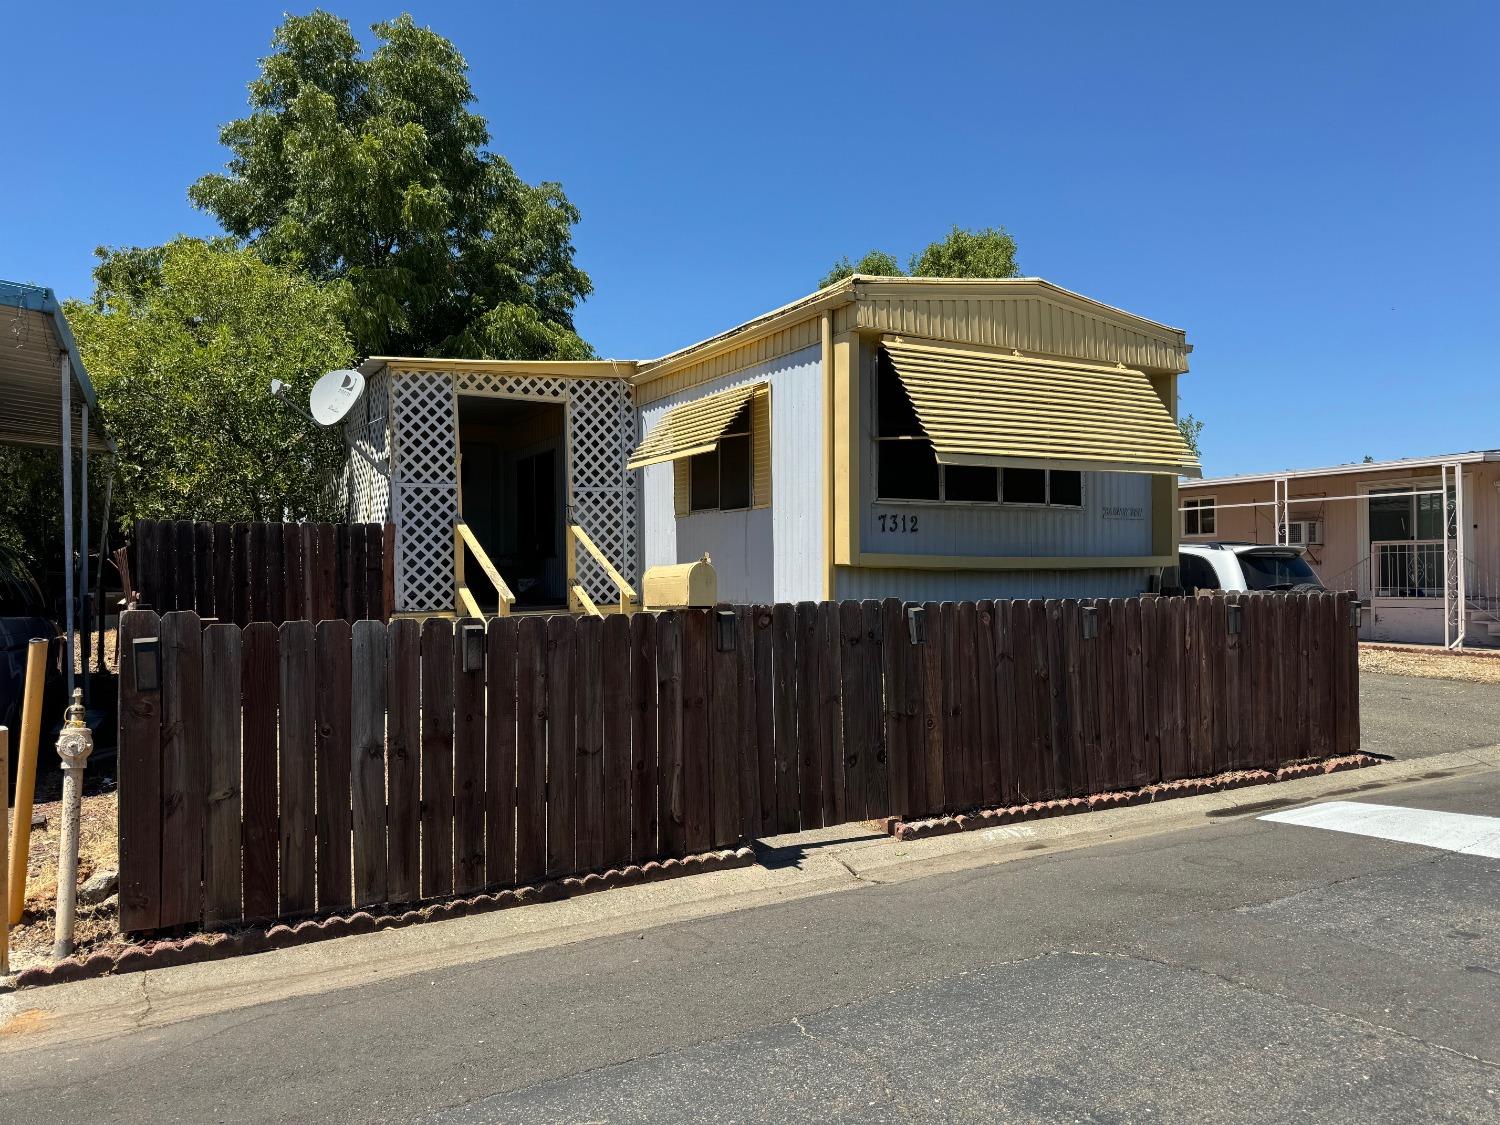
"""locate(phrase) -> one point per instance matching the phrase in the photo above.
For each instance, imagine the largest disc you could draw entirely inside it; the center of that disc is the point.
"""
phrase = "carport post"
(66, 370)
(82, 581)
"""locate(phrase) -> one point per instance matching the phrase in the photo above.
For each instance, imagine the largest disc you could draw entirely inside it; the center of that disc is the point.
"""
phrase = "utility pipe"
(31, 732)
(74, 745)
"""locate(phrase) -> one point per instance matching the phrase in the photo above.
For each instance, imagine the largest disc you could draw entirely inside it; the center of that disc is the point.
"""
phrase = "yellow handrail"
(629, 601)
(462, 537)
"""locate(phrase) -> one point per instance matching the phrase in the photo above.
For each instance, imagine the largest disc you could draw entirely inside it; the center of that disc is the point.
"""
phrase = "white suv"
(1244, 567)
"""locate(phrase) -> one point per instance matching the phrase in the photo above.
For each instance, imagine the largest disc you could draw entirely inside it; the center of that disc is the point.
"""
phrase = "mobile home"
(919, 438)
(1390, 531)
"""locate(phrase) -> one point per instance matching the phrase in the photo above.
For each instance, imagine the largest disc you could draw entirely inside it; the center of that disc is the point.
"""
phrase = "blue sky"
(1311, 190)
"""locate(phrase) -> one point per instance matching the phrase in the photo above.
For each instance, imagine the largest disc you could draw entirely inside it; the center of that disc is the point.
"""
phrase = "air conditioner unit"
(1304, 533)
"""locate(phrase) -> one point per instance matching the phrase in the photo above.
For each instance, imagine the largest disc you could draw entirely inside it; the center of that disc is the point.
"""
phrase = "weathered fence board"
(265, 571)
(367, 737)
(403, 760)
(282, 771)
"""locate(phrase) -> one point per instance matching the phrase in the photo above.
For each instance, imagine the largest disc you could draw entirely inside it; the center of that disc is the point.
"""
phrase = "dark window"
(1025, 486)
(722, 480)
(1065, 488)
(971, 483)
(1279, 571)
(703, 487)
(734, 472)
(895, 415)
(908, 470)
(1199, 516)
(1196, 573)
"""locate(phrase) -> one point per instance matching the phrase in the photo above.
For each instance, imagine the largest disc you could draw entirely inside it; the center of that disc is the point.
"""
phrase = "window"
(1196, 573)
(1278, 570)
(906, 467)
(1199, 516)
(721, 479)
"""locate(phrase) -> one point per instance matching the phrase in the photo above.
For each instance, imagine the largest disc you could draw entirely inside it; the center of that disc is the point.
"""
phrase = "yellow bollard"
(5, 848)
(31, 733)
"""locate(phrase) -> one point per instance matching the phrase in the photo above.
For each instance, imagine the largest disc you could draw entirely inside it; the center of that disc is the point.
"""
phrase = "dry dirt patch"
(1431, 663)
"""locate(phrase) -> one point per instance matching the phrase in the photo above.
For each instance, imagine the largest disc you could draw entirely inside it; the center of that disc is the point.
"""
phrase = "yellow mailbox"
(681, 586)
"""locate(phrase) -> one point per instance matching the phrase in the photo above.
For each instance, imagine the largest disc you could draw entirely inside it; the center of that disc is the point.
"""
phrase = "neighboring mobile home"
(1381, 529)
(919, 438)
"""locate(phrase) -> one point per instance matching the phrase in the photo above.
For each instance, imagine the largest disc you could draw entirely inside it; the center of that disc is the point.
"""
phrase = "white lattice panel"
(601, 432)
(369, 490)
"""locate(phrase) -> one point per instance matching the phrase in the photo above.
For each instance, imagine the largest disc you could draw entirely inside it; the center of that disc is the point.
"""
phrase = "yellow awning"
(989, 408)
(693, 427)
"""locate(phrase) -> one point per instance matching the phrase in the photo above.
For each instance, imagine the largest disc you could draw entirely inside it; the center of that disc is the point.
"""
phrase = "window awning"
(692, 427)
(989, 408)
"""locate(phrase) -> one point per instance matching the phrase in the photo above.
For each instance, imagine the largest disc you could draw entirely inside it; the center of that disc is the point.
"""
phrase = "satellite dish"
(334, 395)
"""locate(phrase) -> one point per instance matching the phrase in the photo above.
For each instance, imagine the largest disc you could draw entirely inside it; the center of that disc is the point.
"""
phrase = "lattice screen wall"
(424, 486)
(369, 491)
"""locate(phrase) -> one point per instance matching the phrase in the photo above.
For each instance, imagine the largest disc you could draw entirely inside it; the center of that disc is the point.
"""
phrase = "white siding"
(972, 585)
(766, 554)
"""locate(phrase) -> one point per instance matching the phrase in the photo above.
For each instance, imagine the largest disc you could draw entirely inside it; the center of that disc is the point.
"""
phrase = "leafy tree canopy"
(990, 252)
(371, 173)
(1191, 429)
(182, 342)
(875, 263)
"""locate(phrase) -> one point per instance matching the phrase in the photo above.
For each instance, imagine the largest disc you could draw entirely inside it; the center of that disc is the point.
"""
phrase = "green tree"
(990, 252)
(370, 173)
(182, 342)
(1191, 427)
(875, 263)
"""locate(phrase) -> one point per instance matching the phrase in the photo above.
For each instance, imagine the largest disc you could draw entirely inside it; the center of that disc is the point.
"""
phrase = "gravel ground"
(1432, 664)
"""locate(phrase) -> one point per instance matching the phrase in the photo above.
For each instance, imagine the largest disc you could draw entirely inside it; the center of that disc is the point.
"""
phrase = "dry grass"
(31, 941)
(1433, 664)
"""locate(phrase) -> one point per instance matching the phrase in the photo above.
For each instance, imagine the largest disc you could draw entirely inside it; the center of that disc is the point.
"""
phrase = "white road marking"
(1450, 831)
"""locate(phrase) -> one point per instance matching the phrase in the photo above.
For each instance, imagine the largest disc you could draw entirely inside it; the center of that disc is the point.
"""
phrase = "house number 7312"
(901, 522)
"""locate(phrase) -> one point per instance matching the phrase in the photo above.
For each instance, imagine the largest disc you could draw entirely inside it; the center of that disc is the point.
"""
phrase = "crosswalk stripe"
(1450, 831)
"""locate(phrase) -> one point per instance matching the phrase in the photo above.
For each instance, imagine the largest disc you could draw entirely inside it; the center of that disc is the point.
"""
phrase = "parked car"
(1245, 568)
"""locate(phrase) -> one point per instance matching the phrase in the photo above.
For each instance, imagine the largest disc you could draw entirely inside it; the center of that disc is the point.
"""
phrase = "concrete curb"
(214, 946)
(1187, 787)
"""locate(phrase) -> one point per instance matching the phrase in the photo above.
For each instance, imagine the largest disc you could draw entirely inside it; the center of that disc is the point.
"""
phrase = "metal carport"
(46, 399)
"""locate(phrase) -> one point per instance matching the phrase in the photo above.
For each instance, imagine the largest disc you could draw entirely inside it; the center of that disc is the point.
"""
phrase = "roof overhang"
(36, 348)
(1353, 469)
(569, 368)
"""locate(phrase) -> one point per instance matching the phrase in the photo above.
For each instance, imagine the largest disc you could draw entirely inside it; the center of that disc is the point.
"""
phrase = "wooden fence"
(276, 772)
(244, 572)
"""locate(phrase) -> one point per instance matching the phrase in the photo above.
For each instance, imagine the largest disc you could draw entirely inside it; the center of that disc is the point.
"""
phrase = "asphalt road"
(1245, 971)
(1407, 717)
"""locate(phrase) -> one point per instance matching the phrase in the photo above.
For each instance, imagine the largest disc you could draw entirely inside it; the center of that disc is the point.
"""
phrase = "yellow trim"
(825, 360)
(846, 481)
(463, 537)
(1164, 525)
(628, 599)
(875, 561)
(573, 369)
(760, 449)
(682, 486)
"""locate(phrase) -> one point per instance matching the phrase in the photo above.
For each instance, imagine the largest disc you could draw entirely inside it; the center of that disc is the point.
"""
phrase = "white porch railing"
(1409, 568)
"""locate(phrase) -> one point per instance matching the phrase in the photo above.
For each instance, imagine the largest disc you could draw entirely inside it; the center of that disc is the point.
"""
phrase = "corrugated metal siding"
(763, 351)
(1028, 323)
(788, 539)
(972, 585)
